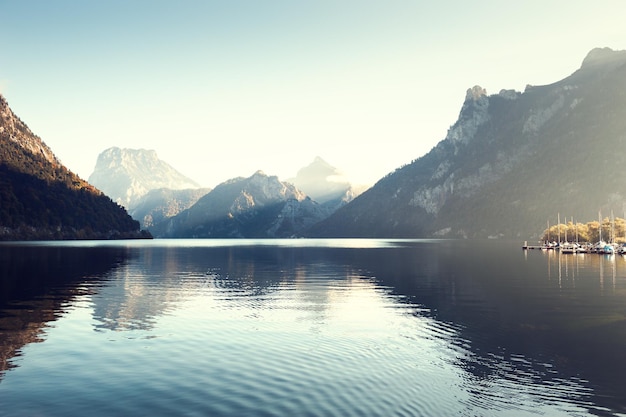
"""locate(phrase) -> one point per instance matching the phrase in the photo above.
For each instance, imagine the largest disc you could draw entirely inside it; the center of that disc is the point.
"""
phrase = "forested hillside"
(41, 199)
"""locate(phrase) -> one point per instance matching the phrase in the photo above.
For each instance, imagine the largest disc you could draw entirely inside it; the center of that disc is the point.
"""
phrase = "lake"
(340, 327)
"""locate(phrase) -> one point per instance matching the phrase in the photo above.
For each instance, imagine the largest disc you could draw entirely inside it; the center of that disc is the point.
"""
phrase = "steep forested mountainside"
(511, 162)
(260, 206)
(41, 199)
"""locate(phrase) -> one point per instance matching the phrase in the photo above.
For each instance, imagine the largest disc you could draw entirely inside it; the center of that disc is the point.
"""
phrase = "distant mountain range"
(161, 204)
(41, 199)
(258, 206)
(510, 163)
(148, 187)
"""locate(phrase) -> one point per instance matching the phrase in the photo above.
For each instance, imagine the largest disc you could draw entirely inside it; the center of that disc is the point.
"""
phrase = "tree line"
(42, 199)
(610, 230)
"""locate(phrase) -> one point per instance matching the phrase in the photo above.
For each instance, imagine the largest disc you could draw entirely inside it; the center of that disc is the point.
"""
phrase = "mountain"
(325, 184)
(41, 199)
(163, 203)
(128, 174)
(260, 206)
(510, 163)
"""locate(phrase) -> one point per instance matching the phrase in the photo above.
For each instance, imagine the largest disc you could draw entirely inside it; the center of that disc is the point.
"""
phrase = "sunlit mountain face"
(126, 175)
(257, 206)
(511, 162)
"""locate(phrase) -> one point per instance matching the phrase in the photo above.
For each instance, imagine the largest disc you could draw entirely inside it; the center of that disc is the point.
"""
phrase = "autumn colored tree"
(611, 230)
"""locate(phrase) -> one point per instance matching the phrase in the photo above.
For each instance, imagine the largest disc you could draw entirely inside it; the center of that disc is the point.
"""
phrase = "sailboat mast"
(600, 227)
(558, 222)
(612, 227)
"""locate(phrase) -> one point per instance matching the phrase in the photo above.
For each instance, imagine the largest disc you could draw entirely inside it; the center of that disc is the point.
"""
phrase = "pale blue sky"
(223, 88)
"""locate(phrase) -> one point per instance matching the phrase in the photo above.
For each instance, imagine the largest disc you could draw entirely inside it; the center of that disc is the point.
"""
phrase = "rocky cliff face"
(510, 161)
(258, 206)
(159, 205)
(126, 175)
(16, 131)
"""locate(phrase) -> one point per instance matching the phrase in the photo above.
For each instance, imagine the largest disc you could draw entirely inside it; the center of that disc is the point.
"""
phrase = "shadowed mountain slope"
(41, 199)
(163, 203)
(260, 206)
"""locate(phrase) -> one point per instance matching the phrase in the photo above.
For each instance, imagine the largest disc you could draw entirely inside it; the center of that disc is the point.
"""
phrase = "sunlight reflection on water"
(317, 328)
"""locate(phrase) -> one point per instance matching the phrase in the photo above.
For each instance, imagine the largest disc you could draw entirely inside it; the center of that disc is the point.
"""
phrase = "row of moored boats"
(603, 248)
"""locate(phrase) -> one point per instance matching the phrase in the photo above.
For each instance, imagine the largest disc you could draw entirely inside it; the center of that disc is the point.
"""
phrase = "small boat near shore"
(568, 247)
(545, 246)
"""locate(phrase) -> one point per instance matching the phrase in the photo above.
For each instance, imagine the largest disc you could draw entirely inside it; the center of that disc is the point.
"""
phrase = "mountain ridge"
(260, 206)
(14, 129)
(41, 199)
(127, 174)
(162, 203)
(509, 162)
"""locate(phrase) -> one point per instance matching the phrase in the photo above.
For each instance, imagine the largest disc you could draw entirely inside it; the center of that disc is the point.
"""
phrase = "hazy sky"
(223, 88)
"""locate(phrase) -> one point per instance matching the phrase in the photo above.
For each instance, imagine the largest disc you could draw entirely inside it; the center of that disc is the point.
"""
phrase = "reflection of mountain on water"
(316, 275)
(552, 326)
(546, 322)
(549, 319)
(143, 290)
(37, 281)
(514, 321)
(159, 278)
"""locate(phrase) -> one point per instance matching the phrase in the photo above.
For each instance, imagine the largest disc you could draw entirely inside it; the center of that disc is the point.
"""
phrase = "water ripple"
(249, 340)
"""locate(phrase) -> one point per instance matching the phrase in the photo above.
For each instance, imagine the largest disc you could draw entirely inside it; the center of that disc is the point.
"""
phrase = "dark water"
(310, 328)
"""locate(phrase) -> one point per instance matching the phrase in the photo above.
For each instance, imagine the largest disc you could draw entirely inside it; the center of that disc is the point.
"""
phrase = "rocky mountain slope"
(260, 206)
(326, 184)
(163, 203)
(511, 162)
(128, 174)
(41, 199)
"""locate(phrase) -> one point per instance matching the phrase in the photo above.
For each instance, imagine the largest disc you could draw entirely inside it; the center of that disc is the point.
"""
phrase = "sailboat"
(566, 246)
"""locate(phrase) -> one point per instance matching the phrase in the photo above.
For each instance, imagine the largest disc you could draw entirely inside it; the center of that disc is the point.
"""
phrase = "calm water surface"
(310, 328)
